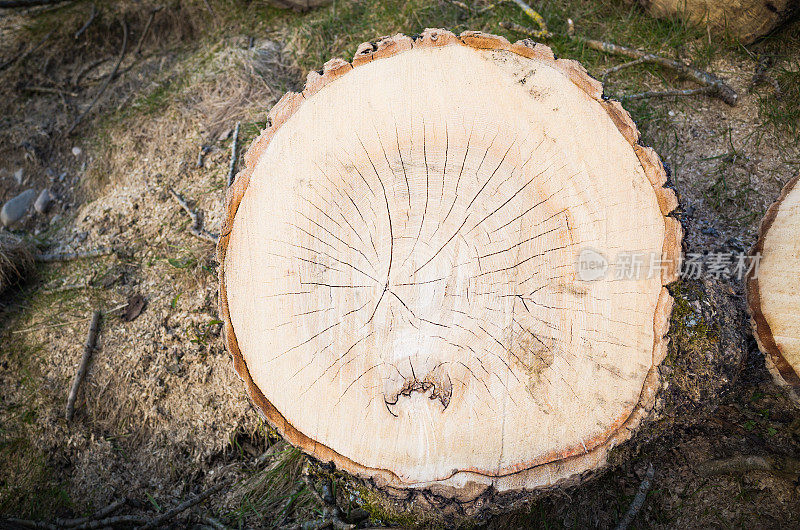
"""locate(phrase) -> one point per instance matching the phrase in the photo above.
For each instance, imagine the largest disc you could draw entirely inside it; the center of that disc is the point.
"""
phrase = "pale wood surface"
(398, 271)
(746, 19)
(774, 292)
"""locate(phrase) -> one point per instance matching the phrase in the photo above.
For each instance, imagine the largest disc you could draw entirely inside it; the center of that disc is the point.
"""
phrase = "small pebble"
(44, 201)
(18, 176)
(225, 135)
(16, 208)
(56, 218)
(76, 151)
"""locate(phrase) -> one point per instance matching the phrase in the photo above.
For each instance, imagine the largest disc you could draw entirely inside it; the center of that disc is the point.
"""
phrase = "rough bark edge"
(747, 34)
(778, 366)
(565, 467)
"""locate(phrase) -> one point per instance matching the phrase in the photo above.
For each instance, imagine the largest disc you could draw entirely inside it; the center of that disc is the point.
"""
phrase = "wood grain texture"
(398, 266)
(773, 289)
(746, 19)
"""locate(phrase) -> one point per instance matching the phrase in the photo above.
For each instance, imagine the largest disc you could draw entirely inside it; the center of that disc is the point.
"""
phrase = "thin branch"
(161, 519)
(146, 29)
(489, 7)
(638, 501)
(543, 32)
(100, 514)
(234, 154)
(49, 90)
(112, 521)
(65, 288)
(86, 69)
(14, 522)
(6, 4)
(619, 67)
(20, 56)
(83, 28)
(460, 5)
(477, 11)
(785, 467)
(667, 93)
(196, 228)
(201, 156)
(717, 87)
(91, 340)
(214, 523)
(71, 256)
(62, 324)
(208, 7)
(110, 77)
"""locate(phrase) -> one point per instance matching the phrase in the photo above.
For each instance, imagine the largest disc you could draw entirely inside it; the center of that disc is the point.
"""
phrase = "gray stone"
(16, 208)
(44, 201)
(18, 176)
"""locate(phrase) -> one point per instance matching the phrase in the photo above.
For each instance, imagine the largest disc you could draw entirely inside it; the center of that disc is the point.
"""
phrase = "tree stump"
(746, 19)
(773, 289)
(414, 271)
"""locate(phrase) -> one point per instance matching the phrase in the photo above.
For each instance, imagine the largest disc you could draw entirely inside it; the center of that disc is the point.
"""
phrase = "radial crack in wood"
(773, 289)
(401, 276)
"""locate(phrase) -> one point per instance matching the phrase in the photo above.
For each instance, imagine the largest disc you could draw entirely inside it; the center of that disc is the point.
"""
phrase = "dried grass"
(16, 259)
(277, 494)
(240, 85)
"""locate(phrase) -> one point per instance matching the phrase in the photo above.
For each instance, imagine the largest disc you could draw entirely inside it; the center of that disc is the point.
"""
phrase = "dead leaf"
(136, 304)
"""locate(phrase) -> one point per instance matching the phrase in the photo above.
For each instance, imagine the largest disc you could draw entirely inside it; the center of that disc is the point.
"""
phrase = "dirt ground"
(162, 416)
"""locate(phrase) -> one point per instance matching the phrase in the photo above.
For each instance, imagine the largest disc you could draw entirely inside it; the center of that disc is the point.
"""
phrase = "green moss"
(382, 512)
(687, 326)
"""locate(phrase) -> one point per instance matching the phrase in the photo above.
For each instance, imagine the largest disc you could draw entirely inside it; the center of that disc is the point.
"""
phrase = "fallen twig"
(201, 156)
(62, 324)
(234, 154)
(543, 32)
(146, 29)
(208, 6)
(86, 69)
(49, 90)
(91, 340)
(785, 467)
(638, 500)
(489, 7)
(110, 77)
(716, 86)
(111, 521)
(477, 11)
(70, 256)
(65, 288)
(100, 514)
(196, 228)
(5, 4)
(166, 516)
(460, 5)
(667, 93)
(20, 56)
(214, 523)
(14, 522)
(83, 28)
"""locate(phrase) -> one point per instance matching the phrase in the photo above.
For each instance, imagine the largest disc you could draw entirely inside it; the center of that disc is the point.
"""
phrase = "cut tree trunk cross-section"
(399, 268)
